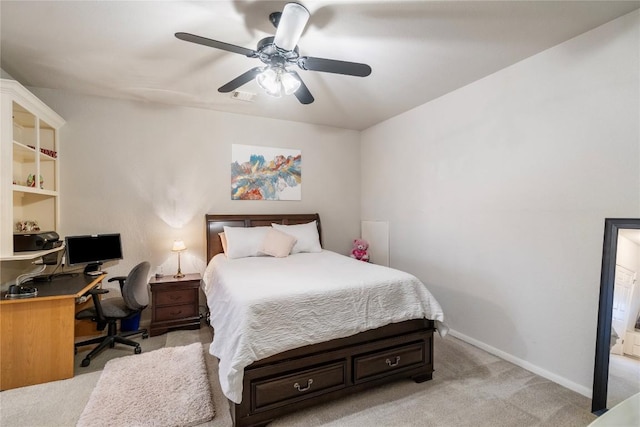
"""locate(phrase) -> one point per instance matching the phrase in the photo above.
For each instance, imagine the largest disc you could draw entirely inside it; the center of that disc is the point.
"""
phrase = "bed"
(275, 363)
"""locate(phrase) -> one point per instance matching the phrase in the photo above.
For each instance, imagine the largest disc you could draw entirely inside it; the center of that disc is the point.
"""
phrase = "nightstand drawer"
(183, 296)
(176, 312)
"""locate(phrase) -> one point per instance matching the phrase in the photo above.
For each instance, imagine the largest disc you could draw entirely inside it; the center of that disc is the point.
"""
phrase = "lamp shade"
(269, 80)
(289, 82)
(178, 245)
(277, 81)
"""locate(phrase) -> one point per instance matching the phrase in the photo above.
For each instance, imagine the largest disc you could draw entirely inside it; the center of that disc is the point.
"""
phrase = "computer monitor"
(93, 250)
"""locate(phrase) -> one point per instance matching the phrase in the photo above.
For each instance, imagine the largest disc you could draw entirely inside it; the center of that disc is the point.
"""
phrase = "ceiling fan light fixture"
(290, 83)
(292, 22)
(277, 81)
(279, 52)
(270, 82)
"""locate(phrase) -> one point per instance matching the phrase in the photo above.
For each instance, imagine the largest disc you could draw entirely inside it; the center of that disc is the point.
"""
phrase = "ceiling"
(418, 50)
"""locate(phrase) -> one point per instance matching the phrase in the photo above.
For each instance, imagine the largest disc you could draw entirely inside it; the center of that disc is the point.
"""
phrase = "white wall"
(628, 253)
(628, 256)
(151, 172)
(496, 196)
(5, 75)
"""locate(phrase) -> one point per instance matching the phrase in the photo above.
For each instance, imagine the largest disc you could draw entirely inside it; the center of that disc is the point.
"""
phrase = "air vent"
(243, 96)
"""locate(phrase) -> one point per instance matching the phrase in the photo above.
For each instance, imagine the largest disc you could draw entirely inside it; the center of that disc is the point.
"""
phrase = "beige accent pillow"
(278, 244)
(223, 240)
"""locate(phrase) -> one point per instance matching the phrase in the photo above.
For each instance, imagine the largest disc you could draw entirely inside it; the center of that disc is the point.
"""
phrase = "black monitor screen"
(93, 249)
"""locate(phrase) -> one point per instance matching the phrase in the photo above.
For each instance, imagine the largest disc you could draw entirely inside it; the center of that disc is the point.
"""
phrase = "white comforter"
(262, 306)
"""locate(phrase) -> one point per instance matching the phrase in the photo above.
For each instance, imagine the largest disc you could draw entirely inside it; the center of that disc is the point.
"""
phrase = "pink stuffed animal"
(359, 250)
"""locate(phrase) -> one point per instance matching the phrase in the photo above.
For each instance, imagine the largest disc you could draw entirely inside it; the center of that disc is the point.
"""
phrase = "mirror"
(612, 230)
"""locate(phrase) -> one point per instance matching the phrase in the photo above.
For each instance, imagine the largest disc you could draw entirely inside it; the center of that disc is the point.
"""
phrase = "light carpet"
(470, 388)
(166, 387)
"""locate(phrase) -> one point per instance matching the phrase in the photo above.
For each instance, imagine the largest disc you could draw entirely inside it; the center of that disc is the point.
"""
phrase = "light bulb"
(290, 83)
(269, 80)
(276, 81)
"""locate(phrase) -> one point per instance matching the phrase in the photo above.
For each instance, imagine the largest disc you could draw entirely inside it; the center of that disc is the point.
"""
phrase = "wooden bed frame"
(317, 373)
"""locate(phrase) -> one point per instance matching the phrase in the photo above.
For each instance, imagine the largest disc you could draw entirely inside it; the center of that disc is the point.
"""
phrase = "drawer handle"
(175, 297)
(175, 313)
(393, 364)
(309, 382)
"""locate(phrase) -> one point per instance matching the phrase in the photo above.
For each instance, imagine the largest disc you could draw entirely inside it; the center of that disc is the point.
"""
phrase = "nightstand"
(174, 303)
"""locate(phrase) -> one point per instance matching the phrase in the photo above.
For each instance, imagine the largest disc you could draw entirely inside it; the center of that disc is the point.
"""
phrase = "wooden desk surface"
(64, 286)
(37, 334)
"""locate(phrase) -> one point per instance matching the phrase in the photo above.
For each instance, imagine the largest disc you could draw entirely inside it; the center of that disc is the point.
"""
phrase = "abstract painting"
(265, 173)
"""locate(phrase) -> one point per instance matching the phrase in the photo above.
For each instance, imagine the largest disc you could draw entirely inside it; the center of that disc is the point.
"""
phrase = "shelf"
(24, 153)
(29, 151)
(33, 190)
(47, 158)
(27, 255)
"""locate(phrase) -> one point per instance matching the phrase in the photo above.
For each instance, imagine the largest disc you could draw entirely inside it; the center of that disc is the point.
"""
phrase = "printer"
(36, 241)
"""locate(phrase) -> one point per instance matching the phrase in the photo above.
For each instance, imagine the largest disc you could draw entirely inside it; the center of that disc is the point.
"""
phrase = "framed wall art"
(265, 173)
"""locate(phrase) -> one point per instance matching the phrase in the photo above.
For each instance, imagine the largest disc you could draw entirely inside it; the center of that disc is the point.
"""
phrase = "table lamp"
(178, 246)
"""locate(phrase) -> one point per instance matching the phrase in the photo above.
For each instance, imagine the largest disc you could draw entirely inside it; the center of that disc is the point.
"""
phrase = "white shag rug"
(166, 387)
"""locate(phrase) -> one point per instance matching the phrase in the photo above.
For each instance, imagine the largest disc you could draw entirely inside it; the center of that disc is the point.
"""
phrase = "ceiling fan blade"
(334, 66)
(240, 80)
(292, 22)
(217, 44)
(303, 94)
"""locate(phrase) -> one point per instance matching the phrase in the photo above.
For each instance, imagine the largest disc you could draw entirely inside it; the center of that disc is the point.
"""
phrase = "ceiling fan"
(278, 53)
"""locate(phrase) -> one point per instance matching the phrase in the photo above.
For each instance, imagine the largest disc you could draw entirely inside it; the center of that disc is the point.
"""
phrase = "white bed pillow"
(278, 244)
(244, 242)
(307, 236)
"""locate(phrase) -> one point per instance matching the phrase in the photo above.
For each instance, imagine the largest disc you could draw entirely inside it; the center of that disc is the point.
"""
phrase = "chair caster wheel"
(85, 362)
(145, 335)
(137, 350)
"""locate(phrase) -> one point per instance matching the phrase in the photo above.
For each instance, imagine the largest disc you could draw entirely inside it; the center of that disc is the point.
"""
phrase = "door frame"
(605, 307)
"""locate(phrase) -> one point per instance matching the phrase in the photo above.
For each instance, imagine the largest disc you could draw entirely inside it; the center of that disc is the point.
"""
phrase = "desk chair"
(107, 312)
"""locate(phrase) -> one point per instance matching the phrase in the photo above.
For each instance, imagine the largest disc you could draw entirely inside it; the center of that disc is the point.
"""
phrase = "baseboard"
(585, 391)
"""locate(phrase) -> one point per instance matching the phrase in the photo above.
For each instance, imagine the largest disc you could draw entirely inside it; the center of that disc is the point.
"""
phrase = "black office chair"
(107, 312)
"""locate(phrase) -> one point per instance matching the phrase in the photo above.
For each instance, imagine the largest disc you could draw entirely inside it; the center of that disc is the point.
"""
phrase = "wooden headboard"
(215, 224)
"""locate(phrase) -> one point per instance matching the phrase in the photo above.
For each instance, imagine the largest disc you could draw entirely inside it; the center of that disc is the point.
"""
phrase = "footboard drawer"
(300, 385)
(384, 362)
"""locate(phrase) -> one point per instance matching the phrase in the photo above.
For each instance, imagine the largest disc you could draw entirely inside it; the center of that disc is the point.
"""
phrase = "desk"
(37, 334)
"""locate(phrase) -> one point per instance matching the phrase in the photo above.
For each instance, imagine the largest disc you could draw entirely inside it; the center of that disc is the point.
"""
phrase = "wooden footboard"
(317, 373)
